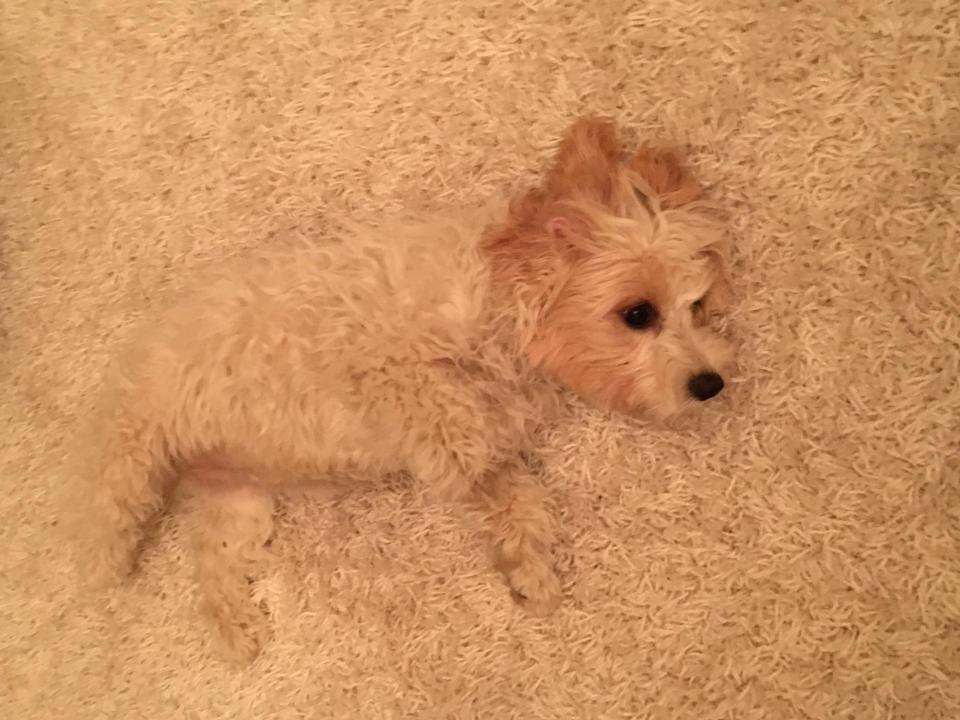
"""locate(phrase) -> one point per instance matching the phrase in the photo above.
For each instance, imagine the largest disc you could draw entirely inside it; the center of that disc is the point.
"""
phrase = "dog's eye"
(697, 306)
(640, 316)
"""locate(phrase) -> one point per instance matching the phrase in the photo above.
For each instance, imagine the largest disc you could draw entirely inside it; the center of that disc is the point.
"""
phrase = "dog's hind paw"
(535, 587)
(239, 631)
(102, 565)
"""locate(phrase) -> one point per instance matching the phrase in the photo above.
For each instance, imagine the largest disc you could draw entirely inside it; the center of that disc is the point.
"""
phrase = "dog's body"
(378, 353)
(420, 347)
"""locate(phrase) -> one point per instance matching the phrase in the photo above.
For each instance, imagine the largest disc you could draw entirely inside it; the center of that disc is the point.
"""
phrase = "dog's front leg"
(521, 526)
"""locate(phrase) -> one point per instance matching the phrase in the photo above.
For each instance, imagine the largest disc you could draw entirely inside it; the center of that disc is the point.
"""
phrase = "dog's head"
(619, 267)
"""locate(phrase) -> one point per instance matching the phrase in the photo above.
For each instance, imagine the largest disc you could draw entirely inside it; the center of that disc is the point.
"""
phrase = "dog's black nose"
(704, 386)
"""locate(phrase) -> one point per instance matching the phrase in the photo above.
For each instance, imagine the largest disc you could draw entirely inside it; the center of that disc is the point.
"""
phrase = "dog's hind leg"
(230, 523)
(127, 471)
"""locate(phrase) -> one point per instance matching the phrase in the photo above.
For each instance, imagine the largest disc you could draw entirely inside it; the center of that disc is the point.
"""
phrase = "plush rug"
(795, 553)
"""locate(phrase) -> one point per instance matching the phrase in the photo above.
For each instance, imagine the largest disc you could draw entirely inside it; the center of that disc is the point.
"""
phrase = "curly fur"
(429, 346)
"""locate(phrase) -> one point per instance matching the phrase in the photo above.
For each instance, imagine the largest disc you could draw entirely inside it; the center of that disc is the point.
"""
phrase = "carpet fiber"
(795, 554)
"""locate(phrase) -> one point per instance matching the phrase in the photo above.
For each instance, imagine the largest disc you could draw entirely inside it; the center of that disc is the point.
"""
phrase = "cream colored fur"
(424, 346)
(385, 352)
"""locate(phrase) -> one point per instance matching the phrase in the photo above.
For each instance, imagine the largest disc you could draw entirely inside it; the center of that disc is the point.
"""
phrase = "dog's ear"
(548, 228)
(537, 241)
(720, 293)
(587, 163)
(665, 174)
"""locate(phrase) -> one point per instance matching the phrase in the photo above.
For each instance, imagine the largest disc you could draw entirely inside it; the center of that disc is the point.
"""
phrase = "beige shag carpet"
(794, 555)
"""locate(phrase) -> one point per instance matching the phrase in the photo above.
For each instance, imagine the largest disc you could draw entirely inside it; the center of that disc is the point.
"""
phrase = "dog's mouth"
(684, 413)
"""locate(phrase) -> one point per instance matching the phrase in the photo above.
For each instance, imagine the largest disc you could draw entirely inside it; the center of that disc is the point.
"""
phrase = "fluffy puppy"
(434, 347)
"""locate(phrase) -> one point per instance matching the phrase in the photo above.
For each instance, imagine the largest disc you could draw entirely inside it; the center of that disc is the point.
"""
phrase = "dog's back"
(302, 332)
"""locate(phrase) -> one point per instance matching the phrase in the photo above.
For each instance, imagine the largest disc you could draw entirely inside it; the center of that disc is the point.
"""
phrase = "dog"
(435, 347)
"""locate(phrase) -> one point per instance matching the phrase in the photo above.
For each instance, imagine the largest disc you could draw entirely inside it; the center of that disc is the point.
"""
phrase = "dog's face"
(622, 269)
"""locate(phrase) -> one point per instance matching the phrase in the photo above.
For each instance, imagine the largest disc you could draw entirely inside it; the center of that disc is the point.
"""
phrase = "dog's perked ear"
(547, 227)
(587, 164)
(664, 175)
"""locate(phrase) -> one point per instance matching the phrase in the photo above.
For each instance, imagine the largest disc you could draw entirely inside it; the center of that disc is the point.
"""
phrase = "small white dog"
(433, 347)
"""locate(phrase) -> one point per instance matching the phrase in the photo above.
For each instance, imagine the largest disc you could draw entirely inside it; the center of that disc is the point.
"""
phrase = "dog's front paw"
(535, 587)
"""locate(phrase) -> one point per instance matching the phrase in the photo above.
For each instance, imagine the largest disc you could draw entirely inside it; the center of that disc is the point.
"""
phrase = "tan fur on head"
(600, 237)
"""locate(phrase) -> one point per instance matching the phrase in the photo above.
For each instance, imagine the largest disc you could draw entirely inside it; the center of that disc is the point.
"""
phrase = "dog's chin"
(672, 414)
